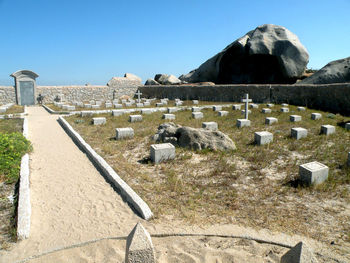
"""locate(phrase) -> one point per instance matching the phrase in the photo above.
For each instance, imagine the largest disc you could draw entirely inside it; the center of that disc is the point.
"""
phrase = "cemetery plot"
(256, 185)
(13, 110)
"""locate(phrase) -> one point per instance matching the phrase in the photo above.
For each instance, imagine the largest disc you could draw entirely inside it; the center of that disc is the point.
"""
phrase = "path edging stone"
(126, 191)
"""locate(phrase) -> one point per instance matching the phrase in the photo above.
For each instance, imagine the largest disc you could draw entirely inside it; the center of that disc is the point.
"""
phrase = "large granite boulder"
(196, 139)
(151, 82)
(267, 54)
(132, 77)
(117, 82)
(166, 79)
(337, 71)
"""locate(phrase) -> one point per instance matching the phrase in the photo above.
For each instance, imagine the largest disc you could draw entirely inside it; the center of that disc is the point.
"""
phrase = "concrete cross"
(138, 93)
(246, 100)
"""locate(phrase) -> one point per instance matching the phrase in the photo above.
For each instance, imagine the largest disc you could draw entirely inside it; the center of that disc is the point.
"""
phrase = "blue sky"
(84, 41)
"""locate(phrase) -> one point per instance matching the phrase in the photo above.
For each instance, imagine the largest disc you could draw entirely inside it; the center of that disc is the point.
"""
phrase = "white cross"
(246, 100)
(138, 93)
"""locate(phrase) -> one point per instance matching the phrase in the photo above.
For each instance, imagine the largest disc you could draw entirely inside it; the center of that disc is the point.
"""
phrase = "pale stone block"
(197, 115)
(99, 121)
(327, 129)
(242, 123)
(135, 118)
(222, 113)
(146, 111)
(123, 133)
(178, 103)
(118, 106)
(95, 106)
(139, 247)
(162, 152)
(294, 118)
(80, 104)
(266, 110)
(301, 109)
(98, 102)
(116, 101)
(195, 102)
(211, 125)
(118, 112)
(270, 105)
(236, 107)
(124, 100)
(298, 133)
(263, 137)
(108, 105)
(128, 104)
(316, 116)
(86, 113)
(284, 105)
(173, 109)
(159, 104)
(177, 100)
(313, 173)
(284, 109)
(88, 106)
(243, 112)
(217, 108)
(254, 106)
(139, 105)
(169, 116)
(299, 254)
(146, 104)
(195, 109)
(92, 102)
(164, 102)
(270, 120)
(69, 107)
(347, 126)
(65, 107)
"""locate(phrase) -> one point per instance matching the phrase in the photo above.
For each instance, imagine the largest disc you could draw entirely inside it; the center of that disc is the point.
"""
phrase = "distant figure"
(40, 99)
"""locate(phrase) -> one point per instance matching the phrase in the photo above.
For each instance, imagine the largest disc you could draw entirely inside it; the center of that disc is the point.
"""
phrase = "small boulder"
(151, 82)
(299, 254)
(337, 71)
(166, 79)
(196, 139)
(132, 77)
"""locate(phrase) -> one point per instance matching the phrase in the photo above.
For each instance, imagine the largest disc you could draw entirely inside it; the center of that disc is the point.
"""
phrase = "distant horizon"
(80, 42)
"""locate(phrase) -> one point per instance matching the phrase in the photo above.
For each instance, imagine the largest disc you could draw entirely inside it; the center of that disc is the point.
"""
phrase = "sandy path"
(71, 201)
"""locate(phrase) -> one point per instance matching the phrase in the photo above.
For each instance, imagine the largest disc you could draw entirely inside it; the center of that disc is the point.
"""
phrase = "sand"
(72, 204)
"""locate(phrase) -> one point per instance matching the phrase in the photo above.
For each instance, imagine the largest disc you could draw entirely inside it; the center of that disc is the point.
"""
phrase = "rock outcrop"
(166, 79)
(196, 139)
(337, 71)
(151, 82)
(267, 54)
(131, 80)
(132, 77)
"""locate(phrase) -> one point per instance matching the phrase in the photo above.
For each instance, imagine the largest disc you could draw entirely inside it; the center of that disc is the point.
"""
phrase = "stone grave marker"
(347, 126)
(254, 106)
(264, 137)
(270, 105)
(242, 123)
(139, 105)
(135, 118)
(118, 106)
(108, 105)
(124, 133)
(217, 108)
(270, 120)
(327, 129)
(86, 113)
(246, 101)
(118, 112)
(266, 110)
(128, 104)
(146, 111)
(301, 109)
(99, 121)
(313, 173)
(222, 113)
(138, 93)
(197, 115)
(211, 125)
(178, 103)
(162, 152)
(146, 104)
(294, 118)
(284, 105)
(173, 109)
(169, 116)
(195, 109)
(284, 110)
(95, 107)
(236, 107)
(159, 104)
(195, 102)
(88, 106)
(316, 116)
(298, 133)
(70, 107)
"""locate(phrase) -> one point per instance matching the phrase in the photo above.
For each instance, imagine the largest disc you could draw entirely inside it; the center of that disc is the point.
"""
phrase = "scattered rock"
(196, 139)
(299, 254)
(151, 82)
(267, 54)
(132, 77)
(166, 79)
(337, 71)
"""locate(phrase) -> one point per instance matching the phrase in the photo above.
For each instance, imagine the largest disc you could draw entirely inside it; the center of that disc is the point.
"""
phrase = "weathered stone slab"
(242, 123)
(164, 102)
(146, 111)
(169, 116)
(139, 105)
(270, 120)
(98, 102)
(146, 104)
(270, 105)
(327, 129)
(266, 110)
(159, 104)
(347, 126)
(86, 113)
(243, 112)
(124, 133)
(95, 106)
(178, 103)
(99, 121)
(195, 109)
(139, 247)
(211, 125)
(299, 254)
(313, 173)
(217, 108)
(222, 113)
(284, 105)
(108, 105)
(162, 152)
(316, 116)
(197, 115)
(263, 137)
(65, 107)
(301, 109)
(295, 118)
(173, 109)
(128, 104)
(236, 107)
(118, 106)
(254, 106)
(135, 118)
(118, 112)
(284, 110)
(195, 102)
(70, 107)
(298, 133)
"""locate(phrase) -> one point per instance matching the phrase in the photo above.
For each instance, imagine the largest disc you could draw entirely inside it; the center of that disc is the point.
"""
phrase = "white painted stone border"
(126, 191)
(24, 209)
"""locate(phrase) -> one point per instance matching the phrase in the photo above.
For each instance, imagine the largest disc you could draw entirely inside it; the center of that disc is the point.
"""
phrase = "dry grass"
(15, 109)
(254, 186)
